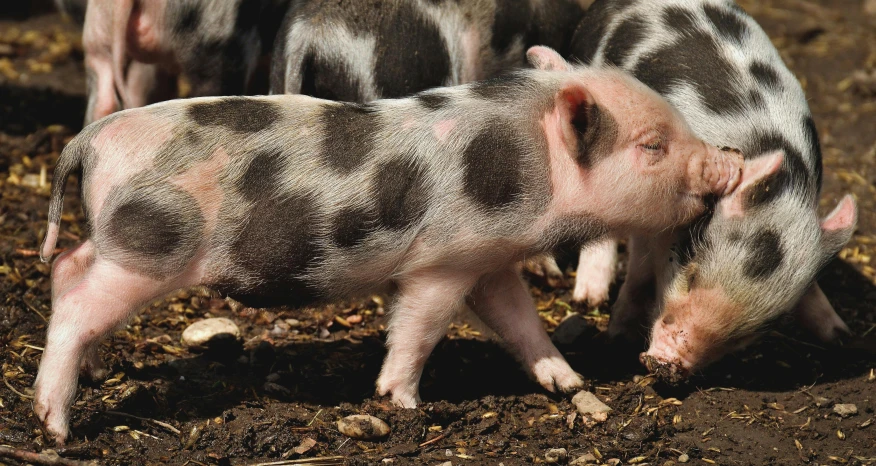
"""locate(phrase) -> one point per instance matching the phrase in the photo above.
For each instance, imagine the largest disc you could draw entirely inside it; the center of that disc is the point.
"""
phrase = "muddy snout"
(717, 171)
(672, 373)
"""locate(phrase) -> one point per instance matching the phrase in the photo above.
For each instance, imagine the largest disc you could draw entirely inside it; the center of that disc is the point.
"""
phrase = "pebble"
(845, 410)
(870, 7)
(669, 463)
(613, 462)
(589, 405)
(584, 460)
(683, 458)
(446, 463)
(203, 332)
(363, 427)
(556, 455)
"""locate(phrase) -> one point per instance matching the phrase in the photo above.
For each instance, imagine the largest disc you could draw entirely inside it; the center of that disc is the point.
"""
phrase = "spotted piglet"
(134, 49)
(291, 199)
(703, 293)
(362, 50)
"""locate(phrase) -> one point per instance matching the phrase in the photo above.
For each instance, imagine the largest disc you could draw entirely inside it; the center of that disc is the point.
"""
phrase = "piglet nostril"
(668, 320)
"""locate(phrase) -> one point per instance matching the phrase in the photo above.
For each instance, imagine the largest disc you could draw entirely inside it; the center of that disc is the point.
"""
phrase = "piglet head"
(726, 297)
(638, 166)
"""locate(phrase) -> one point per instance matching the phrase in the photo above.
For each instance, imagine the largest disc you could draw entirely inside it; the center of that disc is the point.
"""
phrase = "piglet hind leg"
(426, 304)
(101, 301)
(503, 302)
(68, 270)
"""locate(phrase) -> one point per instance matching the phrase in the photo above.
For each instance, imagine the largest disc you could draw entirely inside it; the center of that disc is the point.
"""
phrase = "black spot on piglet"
(155, 230)
(401, 192)
(766, 75)
(349, 131)
(492, 161)
(352, 225)
(261, 177)
(728, 24)
(239, 114)
(765, 254)
(433, 100)
(681, 20)
(276, 246)
(629, 33)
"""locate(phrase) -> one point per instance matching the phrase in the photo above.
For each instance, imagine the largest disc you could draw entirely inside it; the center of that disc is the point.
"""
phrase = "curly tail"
(70, 159)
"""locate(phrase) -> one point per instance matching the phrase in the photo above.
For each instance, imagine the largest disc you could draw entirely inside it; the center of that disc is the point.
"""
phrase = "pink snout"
(666, 356)
(715, 171)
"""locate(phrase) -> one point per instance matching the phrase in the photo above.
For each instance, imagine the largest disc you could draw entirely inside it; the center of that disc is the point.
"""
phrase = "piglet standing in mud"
(362, 50)
(135, 49)
(703, 293)
(290, 199)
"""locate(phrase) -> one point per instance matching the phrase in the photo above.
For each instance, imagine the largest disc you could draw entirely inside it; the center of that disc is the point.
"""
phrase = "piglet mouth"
(672, 373)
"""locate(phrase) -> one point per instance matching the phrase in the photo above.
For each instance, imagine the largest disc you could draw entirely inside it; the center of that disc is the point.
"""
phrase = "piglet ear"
(546, 58)
(755, 172)
(838, 226)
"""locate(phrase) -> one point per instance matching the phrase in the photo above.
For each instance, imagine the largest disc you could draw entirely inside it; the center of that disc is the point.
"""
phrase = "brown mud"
(278, 396)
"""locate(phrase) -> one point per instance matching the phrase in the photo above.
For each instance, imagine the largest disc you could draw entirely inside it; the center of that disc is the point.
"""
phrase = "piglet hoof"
(555, 375)
(54, 424)
(400, 396)
(546, 268)
(667, 372)
(592, 291)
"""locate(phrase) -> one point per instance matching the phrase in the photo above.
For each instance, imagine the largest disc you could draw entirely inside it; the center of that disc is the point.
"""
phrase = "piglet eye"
(653, 146)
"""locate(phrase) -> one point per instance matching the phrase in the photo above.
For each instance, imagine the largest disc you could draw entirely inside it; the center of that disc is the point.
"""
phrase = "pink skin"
(115, 139)
(443, 128)
(471, 49)
(426, 303)
(596, 270)
(690, 168)
(123, 45)
(502, 301)
(90, 303)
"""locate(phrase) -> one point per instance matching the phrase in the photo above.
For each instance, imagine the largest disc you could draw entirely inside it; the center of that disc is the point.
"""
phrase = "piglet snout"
(716, 171)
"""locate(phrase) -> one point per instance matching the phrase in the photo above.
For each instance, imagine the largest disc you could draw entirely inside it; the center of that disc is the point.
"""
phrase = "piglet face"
(645, 169)
(726, 297)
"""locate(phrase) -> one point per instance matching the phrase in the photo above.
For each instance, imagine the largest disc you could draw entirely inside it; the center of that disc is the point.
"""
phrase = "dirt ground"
(279, 394)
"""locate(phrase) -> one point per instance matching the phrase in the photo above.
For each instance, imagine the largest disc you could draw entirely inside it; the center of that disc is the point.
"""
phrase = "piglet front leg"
(503, 302)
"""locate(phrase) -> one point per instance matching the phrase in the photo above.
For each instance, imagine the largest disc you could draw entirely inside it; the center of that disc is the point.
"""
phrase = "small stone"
(613, 462)
(584, 460)
(556, 455)
(683, 458)
(363, 427)
(638, 378)
(589, 405)
(446, 463)
(208, 331)
(305, 446)
(669, 463)
(870, 7)
(845, 410)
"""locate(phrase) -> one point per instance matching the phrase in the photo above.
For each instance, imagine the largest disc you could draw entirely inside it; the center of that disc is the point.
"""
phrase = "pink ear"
(753, 172)
(546, 58)
(842, 217)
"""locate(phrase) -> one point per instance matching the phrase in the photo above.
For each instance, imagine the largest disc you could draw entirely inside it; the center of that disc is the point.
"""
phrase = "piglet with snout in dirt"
(290, 199)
